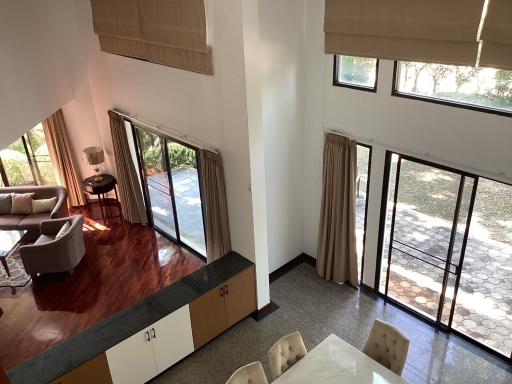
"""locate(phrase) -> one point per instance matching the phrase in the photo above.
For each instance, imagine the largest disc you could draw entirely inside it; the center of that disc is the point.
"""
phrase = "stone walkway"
(484, 301)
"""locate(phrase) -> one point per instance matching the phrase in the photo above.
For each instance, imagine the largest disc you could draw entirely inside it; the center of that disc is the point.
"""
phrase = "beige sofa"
(49, 254)
(31, 222)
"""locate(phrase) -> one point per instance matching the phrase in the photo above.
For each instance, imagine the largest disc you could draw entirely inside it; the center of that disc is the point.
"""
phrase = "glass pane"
(484, 308)
(40, 156)
(360, 71)
(16, 164)
(387, 229)
(187, 195)
(486, 87)
(426, 204)
(363, 157)
(157, 180)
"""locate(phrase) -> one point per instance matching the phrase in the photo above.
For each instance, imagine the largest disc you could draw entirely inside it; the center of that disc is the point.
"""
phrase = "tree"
(475, 74)
(357, 69)
(501, 94)
(407, 66)
(462, 76)
(438, 73)
(418, 68)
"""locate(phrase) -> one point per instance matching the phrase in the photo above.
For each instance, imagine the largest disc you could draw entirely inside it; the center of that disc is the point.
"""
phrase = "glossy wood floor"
(124, 263)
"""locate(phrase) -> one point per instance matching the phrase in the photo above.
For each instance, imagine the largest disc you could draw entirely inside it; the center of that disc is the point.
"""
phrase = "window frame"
(341, 84)
(434, 100)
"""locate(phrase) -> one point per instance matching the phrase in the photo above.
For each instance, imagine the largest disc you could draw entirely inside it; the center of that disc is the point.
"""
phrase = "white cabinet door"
(172, 339)
(132, 361)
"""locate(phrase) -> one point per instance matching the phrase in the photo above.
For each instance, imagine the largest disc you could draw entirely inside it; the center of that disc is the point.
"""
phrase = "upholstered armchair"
(285, 353)
(251, 373)
(388, 346)
(50, 254)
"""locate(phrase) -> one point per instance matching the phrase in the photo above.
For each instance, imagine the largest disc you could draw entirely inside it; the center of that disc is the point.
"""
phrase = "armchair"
(50, 255)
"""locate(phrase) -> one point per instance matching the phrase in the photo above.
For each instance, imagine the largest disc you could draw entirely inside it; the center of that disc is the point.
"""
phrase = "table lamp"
(95, 156)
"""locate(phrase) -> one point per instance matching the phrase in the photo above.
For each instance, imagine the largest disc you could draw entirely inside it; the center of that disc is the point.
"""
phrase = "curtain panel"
(59, 146)
(130, 192)
(168, 32)
(496, 35)
(218, 241)
(336, 253)
(437, 31)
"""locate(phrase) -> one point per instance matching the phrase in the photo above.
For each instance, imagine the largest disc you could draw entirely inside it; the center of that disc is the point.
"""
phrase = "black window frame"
(434, 100)
(342, 84)
(367, 200)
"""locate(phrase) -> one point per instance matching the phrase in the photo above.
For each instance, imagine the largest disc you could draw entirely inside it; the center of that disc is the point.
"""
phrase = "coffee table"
(9, 241)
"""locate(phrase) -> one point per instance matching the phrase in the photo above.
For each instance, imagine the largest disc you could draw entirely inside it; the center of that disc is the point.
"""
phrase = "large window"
(486, 89)
(27, 161)
(364, 155)
(356, 72)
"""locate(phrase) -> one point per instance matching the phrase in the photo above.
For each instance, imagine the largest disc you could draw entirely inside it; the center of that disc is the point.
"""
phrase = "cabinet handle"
(146, 336)
(222, 291)
(153, 333)
(226, 289)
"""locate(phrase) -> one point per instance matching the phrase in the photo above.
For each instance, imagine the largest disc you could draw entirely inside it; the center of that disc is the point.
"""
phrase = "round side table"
(105, 184)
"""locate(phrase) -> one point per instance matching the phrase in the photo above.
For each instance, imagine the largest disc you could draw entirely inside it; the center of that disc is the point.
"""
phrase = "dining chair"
(251, 373)
(388, 346)
(285, 353)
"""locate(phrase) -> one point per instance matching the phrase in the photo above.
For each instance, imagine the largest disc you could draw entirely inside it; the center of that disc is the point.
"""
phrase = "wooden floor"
(124, 263)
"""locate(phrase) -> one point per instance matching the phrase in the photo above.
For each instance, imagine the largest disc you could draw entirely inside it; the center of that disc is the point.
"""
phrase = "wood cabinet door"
(172, 338)
(208, 316)
(94, 371)
(132, 361)
(241, 296)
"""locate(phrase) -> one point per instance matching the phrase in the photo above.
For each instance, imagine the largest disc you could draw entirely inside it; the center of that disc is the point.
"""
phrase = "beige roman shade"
(440, 31)
(496, 35)
(168, 32)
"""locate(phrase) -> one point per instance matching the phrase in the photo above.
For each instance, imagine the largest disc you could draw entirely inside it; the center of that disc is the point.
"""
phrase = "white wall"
(34, 79)
(280, 59)
(463, 138)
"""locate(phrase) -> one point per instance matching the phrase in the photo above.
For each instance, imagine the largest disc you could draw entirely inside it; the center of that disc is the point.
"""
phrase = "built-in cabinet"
(222, 307)
(94, 371)
(152, 350)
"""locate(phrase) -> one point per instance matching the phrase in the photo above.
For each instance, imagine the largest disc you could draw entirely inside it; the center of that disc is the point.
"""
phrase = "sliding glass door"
(446, 249)
(172, 189)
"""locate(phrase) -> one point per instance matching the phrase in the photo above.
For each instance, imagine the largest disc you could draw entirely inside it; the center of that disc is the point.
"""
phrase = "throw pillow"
(44, 205)
(63, 230)
(21, 203)
(5, 203)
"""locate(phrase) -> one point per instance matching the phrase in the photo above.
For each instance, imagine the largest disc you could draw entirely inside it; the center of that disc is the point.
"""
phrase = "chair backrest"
(251, 373)
(285, 353)
(388, 346)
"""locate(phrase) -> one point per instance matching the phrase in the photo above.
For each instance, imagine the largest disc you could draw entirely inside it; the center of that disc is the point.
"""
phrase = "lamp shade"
(94, 155)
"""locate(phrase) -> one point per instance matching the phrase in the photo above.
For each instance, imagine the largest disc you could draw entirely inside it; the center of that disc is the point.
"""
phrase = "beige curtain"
(218, 242)
(57, 139)
(168, 32)
(496, 35)
(130, 192)
(438, 31)
(336, 254)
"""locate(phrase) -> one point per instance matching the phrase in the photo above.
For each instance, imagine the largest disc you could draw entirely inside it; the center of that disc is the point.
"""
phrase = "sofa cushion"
(33, 221)
(43, 205)
(21, 203)
(63, 230)
(43, 239)
(5, 203)
(10, 221)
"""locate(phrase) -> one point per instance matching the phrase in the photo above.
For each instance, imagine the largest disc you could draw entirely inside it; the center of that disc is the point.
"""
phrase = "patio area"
(483, 309)
(188, 205)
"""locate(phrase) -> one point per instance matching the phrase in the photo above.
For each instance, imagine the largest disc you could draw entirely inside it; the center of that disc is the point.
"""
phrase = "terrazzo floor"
(318, 308)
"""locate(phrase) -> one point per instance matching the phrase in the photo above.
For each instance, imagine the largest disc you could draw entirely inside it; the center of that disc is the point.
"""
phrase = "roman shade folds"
(496, 35)
(437, 31)
(168, 32)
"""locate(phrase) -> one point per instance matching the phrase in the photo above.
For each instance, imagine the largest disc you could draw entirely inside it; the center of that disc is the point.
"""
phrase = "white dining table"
(336, 361)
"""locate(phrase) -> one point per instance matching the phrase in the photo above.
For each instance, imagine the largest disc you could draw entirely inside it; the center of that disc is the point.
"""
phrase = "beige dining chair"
(285, 353)
(388, 346)
(251, 373)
